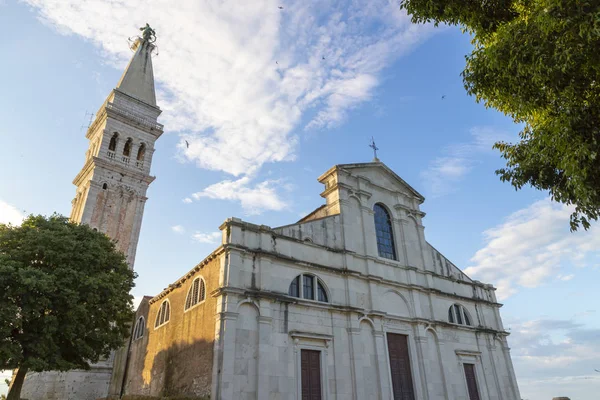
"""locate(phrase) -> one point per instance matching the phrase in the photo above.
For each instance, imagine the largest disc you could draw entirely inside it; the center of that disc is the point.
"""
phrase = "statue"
(148, 34)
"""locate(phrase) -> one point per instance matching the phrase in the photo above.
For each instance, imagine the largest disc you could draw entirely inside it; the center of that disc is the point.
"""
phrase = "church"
(349, 303)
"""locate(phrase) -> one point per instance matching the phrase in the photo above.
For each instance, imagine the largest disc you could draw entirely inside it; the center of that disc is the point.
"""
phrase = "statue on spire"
(148, 34)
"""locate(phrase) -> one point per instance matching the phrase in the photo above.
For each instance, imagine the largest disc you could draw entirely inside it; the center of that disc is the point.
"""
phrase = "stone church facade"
(351, 302)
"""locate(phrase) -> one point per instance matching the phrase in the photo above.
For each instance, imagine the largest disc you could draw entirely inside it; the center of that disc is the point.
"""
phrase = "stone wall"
(70, 385)
(261, 329)
(265, 329)
(176, 358)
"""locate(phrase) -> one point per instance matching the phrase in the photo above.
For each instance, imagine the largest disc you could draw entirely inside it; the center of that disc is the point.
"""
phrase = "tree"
(64, 297)
(537, 61)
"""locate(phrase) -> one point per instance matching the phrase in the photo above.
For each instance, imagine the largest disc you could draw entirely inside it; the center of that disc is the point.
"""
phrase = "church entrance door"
(471, 381)
(311, 374)
(402, 383)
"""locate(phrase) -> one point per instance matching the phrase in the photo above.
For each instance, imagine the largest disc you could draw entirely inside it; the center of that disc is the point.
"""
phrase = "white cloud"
(444, 172)
(187, 200)
(9, 214)
(237, 80)
(254, 199)
(178, 229)
(554, 357)
(210, 238)
(529, 247)
(565, 277)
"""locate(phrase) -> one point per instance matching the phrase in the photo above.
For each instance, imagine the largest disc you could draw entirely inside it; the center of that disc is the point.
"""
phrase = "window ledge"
(160, 326)
(194, 306)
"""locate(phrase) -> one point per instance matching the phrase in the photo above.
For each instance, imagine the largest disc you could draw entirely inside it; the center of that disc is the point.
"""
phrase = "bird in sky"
(276, 63)
(280, 7)
(323, 57)
(187, 144)
(443, 97)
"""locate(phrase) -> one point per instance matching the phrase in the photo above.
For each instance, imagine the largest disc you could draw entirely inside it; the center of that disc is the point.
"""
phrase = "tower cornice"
(109, 109)
(120, 169)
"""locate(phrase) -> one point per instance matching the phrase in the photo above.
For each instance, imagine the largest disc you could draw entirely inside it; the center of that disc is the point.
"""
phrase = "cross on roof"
(375, 148)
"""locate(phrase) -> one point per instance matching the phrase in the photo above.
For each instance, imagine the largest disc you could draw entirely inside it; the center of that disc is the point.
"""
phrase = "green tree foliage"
(64, 296)
(537, 61)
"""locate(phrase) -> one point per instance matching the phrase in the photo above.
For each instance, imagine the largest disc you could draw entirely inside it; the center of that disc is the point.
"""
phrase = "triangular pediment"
(378, 174)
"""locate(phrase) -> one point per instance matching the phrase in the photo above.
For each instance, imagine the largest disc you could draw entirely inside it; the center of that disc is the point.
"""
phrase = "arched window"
(196, 294)
(127, 147)
(104, 186)
(141, 152)
(112, 146)
(164, 314)
(457, 314)
(140, 327)
(385, 235)
(307, 286)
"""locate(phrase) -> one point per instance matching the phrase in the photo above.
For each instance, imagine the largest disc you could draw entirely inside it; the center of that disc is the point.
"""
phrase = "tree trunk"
(14, 392)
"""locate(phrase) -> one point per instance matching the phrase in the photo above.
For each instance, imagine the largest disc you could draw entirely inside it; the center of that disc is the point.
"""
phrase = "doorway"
(471, 381)
(311, 374)
(402, 384)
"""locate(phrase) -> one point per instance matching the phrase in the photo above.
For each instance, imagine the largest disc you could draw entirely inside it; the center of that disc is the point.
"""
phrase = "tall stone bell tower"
(112, 185)
(110, 197)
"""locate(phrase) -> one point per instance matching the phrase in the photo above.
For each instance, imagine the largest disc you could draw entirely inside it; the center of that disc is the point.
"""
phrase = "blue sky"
(269, 99)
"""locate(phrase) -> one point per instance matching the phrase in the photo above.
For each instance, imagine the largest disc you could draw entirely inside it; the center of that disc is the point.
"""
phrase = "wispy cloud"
(239, 82)
(528, 248)
(178, 229)
(554, 356)
(254, 199)
(565, 277)
(445, 171)
(210, 238)
(10, 214)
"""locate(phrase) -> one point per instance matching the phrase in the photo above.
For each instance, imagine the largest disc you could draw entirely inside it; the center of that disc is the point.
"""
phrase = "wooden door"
(471, 382)
(402, 384)
(311, 374)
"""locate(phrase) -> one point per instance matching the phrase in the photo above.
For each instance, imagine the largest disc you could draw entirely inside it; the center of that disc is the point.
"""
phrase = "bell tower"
(110, 197)
(112, 185)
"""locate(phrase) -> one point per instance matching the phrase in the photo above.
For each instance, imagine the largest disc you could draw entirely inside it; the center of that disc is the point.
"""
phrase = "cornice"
(358, 274)
(284, 298)
(130, 118)
(217, 252)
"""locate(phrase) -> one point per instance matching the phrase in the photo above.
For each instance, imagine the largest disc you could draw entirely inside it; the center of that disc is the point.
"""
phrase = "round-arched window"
(308, 286)
(112, 145)
(385, 234)
(196, 294)
(140, 327)
(457, 314)
(164, 314)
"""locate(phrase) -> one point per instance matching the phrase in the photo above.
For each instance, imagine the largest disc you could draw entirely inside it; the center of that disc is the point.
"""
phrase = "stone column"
(382, 362)
(421, 341)
(358, 388)
(511, 370)
(265, 348)
(222, 387)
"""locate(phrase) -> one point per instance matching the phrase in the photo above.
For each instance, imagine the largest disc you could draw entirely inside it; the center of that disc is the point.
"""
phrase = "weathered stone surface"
(177, 357)
(259, 330)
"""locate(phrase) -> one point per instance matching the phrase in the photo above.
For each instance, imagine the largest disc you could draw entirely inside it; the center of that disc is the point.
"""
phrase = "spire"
(138, 79)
